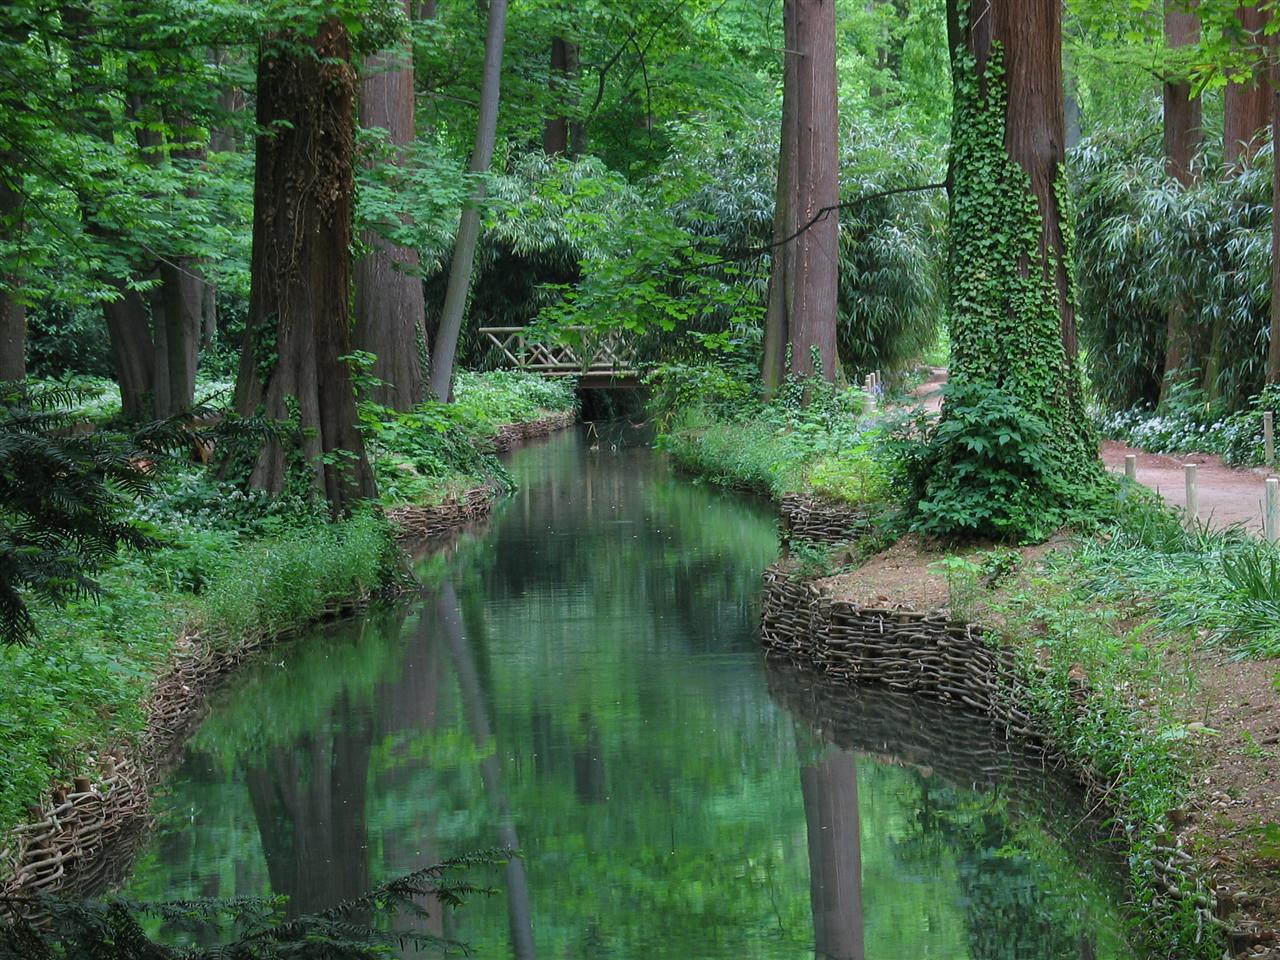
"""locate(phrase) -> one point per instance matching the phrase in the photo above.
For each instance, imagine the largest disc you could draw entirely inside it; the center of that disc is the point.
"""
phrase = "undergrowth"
(811, 438)
(1120, 701)
(77, 692)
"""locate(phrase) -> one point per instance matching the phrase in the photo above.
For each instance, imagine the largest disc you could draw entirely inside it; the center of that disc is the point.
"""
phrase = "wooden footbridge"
(597, 361)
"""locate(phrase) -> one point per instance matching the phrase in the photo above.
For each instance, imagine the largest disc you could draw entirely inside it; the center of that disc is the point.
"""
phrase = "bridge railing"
(607, 355)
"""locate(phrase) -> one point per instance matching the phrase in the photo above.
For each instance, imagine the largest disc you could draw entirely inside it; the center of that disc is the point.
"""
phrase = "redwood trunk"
(464, 248)
(1182, 139)
(777, 331)
(1247, 106)
(804, 283)
(1030, 34)
(559, 134)
(389, 300)
(13, 312)
(299, 314)
(1273, 346)
(817, 253)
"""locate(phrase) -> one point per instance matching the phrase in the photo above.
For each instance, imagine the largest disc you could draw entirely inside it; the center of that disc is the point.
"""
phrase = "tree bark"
(804, 284)
(1247, 106)
(561, 136)
(830, 789)
(1182, 111)
(1273, 345)
(1182, 139)
(13, 311)
(132, 350)
(464, 248)
(389, 301)
(299, 313)
(777, 329)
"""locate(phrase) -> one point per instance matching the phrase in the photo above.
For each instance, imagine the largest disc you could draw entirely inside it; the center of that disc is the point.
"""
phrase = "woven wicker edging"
(82, 838)
(818, 520)
(511, 434)
(928, 654)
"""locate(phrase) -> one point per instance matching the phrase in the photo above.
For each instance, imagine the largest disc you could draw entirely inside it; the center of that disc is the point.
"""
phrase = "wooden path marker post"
(1268, 439)
(1193, 499)
(1271, 514)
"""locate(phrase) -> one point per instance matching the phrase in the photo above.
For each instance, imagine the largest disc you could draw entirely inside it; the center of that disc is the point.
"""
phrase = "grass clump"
(1224, 585)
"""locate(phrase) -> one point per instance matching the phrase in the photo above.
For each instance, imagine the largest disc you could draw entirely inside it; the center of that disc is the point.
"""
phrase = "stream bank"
(78, 835)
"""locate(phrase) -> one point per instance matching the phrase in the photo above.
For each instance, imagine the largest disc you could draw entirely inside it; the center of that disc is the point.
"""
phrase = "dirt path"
(1227, 495)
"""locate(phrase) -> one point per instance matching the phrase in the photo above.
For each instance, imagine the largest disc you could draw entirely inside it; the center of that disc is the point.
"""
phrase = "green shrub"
(986, 470)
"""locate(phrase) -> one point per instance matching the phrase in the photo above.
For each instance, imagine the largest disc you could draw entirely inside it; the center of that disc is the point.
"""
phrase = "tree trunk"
(1182, 139)
(13, 312)
(777, 329)
(389, 301)
(1273, 345)
(464, 248)
(1247, 106)
(299, 312)
(830, 789)
(1013, 304)
(804, 283)
(560, 135)
(182, 293)
(817, 250)
(132, 350)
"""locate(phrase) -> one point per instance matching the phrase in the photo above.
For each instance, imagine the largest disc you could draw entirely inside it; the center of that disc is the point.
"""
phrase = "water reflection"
(582, 683)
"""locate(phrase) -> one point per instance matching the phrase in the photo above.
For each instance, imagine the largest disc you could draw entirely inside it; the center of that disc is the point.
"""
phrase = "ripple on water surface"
(582, 681)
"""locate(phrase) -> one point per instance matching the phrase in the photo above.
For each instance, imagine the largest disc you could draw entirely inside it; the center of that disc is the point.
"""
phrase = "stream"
(582, 680)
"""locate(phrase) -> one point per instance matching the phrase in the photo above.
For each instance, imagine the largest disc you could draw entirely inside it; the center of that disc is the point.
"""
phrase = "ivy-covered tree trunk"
(464, 248)
(389, 301)
(299, 312)
(1013, 323)
(1182, 138)
(804, 282)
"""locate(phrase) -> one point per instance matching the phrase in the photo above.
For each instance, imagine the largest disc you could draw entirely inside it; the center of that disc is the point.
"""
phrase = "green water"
(582, 681)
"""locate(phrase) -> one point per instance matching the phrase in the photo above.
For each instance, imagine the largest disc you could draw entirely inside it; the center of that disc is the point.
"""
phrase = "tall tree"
(1273, 344)
(1182, 139)
(804, 276)
(1247, 104)
(299, 315)
(13, 311)
(1013, 324)
(464, 248)
(560, 135)
(389, 301)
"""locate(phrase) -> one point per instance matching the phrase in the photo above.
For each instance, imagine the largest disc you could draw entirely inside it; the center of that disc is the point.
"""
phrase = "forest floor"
(1227, 495)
